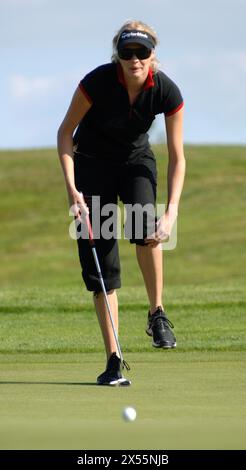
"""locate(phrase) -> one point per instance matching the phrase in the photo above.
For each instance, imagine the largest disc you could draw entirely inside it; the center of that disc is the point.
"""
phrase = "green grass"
(36, 249)
(206, 319)
(50, 345)
(191, 400)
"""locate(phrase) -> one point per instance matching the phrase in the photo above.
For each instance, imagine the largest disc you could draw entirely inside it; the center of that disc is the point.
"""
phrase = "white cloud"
(26, 88)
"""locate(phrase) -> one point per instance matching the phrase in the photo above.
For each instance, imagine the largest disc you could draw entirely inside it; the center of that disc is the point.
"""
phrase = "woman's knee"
(97, 293)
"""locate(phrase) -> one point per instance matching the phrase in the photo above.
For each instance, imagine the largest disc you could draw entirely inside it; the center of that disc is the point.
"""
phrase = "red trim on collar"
(149, 82)
(120, 75)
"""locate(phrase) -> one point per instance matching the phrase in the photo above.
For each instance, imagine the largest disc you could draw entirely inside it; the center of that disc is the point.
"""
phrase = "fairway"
(51, 349)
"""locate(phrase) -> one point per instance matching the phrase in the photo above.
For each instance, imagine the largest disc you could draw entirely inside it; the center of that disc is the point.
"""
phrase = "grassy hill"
(36, 248)
(204, 275)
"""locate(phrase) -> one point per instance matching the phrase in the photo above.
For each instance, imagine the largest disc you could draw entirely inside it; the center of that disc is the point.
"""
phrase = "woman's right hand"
(77, 204)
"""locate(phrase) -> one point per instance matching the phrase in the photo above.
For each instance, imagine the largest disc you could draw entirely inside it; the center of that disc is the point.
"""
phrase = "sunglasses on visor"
(141, 53)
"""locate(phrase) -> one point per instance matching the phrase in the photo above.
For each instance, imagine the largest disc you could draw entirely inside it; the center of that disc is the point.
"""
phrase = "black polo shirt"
(113, 128)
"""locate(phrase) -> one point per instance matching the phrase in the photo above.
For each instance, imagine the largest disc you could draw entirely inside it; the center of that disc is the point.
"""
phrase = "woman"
(109, 156)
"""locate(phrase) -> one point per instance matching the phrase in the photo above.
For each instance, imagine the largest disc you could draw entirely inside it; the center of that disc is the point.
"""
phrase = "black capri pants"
(134, 183)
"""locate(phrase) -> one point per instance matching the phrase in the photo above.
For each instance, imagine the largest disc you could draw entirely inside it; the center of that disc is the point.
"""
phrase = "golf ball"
(129, 414)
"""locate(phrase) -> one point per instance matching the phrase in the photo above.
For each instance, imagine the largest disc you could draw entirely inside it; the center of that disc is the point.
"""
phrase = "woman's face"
(135, 67)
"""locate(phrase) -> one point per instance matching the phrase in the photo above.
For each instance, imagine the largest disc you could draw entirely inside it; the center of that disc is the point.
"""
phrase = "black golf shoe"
(113, 374)
(159, 327)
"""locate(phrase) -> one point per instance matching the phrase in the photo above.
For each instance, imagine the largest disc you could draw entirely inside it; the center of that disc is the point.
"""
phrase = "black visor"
(135, 36)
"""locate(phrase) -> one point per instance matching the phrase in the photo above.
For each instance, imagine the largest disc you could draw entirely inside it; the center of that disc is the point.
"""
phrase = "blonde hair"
(140, 26)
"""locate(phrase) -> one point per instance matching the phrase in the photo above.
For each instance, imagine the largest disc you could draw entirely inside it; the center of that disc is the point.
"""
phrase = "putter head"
(124, 382)
(125, 365)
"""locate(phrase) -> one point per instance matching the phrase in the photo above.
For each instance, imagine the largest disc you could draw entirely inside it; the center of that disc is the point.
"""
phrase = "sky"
(47, 46)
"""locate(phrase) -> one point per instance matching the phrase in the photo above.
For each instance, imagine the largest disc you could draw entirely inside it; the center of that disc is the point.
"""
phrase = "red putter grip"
(91, 238)
(88, 223)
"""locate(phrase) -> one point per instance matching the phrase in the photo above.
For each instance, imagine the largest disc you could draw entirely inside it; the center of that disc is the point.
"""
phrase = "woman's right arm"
(76, 111)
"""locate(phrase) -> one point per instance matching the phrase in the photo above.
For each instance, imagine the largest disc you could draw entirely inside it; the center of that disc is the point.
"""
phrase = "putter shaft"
(92, 243)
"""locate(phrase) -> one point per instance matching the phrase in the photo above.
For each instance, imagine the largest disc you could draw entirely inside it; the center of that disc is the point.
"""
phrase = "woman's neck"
(135, 85)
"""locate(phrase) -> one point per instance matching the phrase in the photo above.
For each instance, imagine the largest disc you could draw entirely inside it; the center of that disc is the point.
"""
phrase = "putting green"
(184, 400)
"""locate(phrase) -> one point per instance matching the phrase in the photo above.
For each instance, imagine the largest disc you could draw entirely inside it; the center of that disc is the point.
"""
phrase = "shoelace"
(164, 319)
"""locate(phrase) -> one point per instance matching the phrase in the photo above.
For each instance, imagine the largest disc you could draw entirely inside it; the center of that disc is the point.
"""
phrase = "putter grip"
(91, 238)
(90, 232)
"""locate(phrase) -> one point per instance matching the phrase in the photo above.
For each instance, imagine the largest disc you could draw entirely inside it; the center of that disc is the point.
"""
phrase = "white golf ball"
(129, 414)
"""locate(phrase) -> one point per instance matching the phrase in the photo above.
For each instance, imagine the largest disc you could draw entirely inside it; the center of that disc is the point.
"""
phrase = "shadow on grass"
(48, 383)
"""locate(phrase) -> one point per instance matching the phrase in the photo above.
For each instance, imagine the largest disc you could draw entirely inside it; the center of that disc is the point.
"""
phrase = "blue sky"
(47, 46)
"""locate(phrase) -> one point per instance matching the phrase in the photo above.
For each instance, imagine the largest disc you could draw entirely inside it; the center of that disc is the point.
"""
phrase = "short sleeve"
(92, 84)
(170, 99)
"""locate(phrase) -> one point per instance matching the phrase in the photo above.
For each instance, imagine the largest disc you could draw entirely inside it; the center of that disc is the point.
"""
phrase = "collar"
(149, 82)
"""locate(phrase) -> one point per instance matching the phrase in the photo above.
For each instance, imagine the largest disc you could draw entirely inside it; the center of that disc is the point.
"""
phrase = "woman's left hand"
(163, 231)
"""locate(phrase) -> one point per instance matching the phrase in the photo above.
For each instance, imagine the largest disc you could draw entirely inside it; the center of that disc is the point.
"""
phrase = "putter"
(93, 248)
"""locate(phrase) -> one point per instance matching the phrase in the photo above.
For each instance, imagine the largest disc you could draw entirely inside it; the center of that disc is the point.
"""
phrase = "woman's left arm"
(175, 176)
(176, 162)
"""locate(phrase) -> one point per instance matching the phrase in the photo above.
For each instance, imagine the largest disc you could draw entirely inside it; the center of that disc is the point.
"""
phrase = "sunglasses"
(141, 53)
